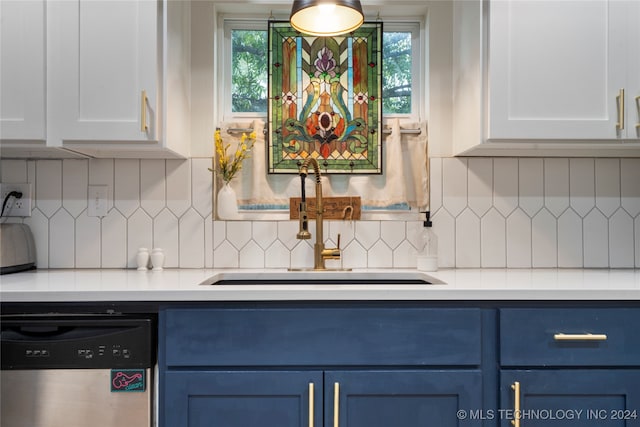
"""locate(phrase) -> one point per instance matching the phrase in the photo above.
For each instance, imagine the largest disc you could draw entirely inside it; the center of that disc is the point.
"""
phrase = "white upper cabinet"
(555, 68)
(22, 70)
(97, 78)
(556, 77)
(102, 56)
(633, 75)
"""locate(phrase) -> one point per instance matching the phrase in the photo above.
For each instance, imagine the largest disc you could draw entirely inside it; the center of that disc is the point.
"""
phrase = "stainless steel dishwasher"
(77, 370)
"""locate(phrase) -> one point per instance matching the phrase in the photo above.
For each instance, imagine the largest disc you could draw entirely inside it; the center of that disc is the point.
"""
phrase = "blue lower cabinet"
(242, 398)
(570, 397)
(401, 398)
(294, 398)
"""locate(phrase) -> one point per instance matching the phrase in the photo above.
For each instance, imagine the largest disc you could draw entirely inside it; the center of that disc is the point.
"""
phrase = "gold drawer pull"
(580, 337)
(143, 112)
(620, 102)
(515, 422)
(336, 405)
(310, 404)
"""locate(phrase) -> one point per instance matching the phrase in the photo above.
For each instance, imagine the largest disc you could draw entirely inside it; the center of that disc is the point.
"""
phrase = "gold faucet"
(320, 253)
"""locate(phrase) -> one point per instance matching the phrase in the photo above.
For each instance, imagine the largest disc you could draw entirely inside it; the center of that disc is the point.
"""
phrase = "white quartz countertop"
(59, 285)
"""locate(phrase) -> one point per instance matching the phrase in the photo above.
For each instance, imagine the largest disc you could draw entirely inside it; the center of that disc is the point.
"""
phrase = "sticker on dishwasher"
(128, 380)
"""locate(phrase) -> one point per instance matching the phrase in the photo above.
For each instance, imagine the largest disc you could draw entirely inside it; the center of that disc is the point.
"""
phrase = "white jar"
(157, 259)
(142, 259)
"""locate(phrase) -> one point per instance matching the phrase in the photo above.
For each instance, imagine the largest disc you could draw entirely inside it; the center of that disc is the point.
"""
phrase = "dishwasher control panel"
(79, 341)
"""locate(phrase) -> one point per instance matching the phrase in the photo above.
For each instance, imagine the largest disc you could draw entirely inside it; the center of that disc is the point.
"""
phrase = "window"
(396, 72)
(245, 76)
(248, 71)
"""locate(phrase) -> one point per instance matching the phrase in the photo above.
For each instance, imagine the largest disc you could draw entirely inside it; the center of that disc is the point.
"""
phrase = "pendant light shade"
(326, 17)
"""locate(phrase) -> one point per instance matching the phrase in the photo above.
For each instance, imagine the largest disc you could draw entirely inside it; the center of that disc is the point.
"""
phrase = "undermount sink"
(322, 277)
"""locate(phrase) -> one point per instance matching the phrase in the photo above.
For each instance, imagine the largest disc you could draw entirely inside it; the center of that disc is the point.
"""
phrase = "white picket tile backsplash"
(505, 185)
(582, 191)
(75, 177)
(480, 182)
(492, 240)
(191, 241)
(570, 243)
(88, 238)
(48, 188)
(487, 212)
(544, 247)
(178, 186)
(636, 239)
(165, 235)
(114, 241)
(127, 186)
(620, 240)
(556, 185)
(61, 240)
(630, 186)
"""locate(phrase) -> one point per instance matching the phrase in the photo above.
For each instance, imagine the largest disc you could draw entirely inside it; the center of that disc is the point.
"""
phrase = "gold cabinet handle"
(336, 405)
(310, 404)
(620, 100)
(515, 422)
(580, 337)
(143, 112)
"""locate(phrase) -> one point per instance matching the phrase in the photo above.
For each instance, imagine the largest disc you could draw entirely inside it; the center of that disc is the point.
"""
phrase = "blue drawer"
(322, 336)
(570, 337)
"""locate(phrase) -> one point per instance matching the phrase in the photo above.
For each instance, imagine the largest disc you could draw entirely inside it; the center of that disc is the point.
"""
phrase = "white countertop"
(192, 285)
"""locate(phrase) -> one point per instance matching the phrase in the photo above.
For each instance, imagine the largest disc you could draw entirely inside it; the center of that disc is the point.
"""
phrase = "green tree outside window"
(249, 71)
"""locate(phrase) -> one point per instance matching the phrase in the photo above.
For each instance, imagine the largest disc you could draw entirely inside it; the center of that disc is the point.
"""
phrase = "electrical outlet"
(16, 207)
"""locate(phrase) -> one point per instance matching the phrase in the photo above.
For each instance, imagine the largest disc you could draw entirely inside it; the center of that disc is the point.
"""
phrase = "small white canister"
(142, 259)
(157, 259)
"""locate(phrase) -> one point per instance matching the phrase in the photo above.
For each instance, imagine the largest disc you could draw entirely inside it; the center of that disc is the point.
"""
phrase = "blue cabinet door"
(571, 397)
(242, 399)
(402, 398)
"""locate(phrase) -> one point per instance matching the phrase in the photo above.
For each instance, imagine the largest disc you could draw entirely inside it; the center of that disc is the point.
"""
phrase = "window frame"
(419, 47)
(390, 26)
(226, 87)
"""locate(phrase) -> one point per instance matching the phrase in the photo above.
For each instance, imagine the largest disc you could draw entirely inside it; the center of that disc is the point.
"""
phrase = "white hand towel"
(387, 189)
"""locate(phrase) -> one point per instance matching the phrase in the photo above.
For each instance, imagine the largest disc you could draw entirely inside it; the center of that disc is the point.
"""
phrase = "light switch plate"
(97, 200)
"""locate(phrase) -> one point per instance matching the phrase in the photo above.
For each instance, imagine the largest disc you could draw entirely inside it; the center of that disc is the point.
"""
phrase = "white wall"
(488, 212)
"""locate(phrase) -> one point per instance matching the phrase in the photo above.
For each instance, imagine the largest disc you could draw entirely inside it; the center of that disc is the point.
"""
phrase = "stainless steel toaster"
(17, 248)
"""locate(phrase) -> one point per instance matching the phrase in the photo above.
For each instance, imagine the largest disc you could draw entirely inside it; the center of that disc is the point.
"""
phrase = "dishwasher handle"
(54, 333)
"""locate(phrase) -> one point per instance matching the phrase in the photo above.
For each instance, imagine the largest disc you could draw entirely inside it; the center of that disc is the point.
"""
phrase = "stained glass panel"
(324, 100)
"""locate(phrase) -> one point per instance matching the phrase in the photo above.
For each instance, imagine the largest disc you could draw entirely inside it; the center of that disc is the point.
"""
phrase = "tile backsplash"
(487, 212)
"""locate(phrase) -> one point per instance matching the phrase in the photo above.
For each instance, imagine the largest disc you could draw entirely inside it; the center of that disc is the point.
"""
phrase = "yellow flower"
(227, 166)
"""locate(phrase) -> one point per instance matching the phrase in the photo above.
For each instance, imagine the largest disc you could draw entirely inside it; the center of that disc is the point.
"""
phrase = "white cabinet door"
(555, 68)
(101, 56)
(632, 124)
(22, 70)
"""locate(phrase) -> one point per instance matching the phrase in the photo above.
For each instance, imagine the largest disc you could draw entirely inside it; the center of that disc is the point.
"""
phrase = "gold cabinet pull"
(580, 337)
(336, 405)
(310, 404)
(143, 112)
(620, 100)
(515, 422)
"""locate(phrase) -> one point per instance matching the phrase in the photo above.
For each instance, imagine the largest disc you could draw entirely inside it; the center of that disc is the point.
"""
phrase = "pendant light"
(326, 17)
